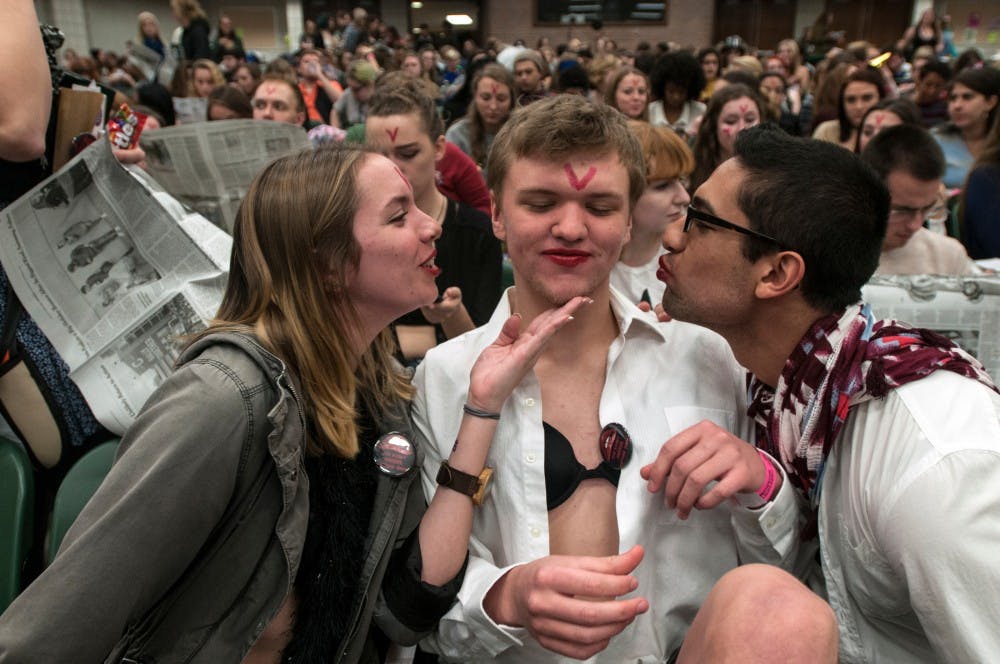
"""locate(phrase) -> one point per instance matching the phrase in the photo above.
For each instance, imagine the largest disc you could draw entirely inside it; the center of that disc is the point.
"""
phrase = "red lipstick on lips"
(429, 266)
(663, 272)
(566, 257)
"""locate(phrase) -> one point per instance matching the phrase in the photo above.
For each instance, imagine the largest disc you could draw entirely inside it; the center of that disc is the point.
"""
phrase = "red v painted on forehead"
(392, 133)
(744, 107)
(403, 177)
(579, 184)
(495, 89)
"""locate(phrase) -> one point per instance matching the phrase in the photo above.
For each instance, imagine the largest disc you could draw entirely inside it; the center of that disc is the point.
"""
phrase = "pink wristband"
(767, 489)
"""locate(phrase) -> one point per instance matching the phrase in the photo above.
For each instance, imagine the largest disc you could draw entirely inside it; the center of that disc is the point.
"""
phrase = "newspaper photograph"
(965, 309)
(153, 66)
(209, 166)
(114, 272)
(190, 110)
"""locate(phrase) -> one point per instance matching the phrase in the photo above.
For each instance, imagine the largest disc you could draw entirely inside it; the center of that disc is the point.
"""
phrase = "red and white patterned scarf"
(838, 364)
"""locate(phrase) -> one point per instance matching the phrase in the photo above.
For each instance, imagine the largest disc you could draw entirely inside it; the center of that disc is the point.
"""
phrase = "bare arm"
(450, 313)
(445, 528)
(25, 84)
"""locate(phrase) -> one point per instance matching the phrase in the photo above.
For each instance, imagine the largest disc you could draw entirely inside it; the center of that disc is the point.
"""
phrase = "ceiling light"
(459, 19)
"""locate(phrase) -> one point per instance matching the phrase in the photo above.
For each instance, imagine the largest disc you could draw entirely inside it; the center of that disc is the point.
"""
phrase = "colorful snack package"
(124, 128)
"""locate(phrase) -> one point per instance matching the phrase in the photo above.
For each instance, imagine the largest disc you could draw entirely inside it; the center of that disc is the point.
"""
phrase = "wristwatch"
(471, 485)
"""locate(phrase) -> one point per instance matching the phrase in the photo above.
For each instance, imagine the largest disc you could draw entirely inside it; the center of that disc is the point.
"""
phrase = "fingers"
(582, 641)
(546, 323)
(579, 646)
(656, 473)
(571, 582)
(590, 576)
(132, 156)
(689, 463)
(570, 603)
(510, 331)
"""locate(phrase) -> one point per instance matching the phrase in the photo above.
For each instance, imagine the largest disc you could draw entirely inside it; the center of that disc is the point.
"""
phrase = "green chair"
(17, 500)
(76, 489)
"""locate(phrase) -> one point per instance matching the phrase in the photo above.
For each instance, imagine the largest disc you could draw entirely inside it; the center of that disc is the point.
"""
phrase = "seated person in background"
(789, 107)
(456, 175)
(860, 91)
(911, 164)
(227, 102)
(279, 100)
(546, 579)
(668, 162)
(731, 109)
(530, 72)
(973, 107)
(887, 113)
(676, 83)
(931, 92)
(891, 433)
(980, 207)
(403, 123)
(352, 107)
(318, 92)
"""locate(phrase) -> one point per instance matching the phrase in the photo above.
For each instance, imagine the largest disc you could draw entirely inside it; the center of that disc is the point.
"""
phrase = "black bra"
(563, 473)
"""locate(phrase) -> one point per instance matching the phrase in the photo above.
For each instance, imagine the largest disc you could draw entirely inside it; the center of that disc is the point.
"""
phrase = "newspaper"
(190, 110)
(153, 66)
(964, 309)
(113, 271)
(209, 166)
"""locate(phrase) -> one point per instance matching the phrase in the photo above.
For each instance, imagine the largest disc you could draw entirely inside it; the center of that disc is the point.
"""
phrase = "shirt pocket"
(871, 582)
(678, 419)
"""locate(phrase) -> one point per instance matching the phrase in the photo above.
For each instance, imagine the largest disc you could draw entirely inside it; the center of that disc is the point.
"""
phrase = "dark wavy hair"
(681, 69)
(866, 75)
(706, 142)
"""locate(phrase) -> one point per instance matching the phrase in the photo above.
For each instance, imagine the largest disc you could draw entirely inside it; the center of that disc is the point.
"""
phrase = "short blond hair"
(556, 127)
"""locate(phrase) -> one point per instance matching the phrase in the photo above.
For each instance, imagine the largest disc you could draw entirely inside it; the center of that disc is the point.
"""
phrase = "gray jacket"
(192, 543)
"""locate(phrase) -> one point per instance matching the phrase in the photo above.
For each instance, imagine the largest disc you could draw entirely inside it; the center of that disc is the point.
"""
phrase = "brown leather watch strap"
(456, 480)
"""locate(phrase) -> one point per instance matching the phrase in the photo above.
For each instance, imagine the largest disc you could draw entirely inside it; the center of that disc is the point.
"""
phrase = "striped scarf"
(840, 363)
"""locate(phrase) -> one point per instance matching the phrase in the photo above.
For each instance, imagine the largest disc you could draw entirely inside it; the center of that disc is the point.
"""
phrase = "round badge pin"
(616, 445)
(394, 454)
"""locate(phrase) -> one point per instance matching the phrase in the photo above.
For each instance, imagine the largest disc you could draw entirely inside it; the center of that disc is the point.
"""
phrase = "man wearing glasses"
(574, 554)
(910, 163)
(889, 433)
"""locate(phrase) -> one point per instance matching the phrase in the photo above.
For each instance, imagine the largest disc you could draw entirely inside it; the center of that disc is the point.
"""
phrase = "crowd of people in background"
(483, 163)
(843, 92)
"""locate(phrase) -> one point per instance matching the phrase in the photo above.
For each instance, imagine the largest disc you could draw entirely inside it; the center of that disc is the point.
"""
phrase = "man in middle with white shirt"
(546, 580)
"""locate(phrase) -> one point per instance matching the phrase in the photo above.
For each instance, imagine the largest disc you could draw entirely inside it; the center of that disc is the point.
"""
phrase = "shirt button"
(536, 532)
(529, 402)
(530, 458)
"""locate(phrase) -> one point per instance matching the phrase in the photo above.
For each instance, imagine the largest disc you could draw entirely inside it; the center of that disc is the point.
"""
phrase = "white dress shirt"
(631, 281)
(660, 379)
(686, 122)
(909, 522)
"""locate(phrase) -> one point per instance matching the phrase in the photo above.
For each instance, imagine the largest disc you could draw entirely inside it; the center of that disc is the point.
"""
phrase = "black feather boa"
(341, 500)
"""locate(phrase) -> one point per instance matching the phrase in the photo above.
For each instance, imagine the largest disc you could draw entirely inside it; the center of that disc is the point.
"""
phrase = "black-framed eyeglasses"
(694, 214)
